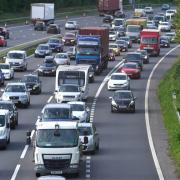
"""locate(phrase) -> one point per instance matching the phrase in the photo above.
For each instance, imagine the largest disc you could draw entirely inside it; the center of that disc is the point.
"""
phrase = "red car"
(3, 42)
(131, 69)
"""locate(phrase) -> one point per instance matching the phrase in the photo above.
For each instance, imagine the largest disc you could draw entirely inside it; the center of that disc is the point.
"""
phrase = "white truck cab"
(58, 148)
(4, 128)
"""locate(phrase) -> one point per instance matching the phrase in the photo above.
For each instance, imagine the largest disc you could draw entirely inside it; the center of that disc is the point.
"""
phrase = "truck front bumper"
(42, 170)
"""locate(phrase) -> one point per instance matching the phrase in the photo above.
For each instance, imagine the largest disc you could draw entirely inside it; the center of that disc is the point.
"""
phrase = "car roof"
(57, 105)
(17, 51)
(84, 124)
(76, 102)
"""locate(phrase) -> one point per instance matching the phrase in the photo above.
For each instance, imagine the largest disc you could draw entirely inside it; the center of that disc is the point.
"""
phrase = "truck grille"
(60, 164)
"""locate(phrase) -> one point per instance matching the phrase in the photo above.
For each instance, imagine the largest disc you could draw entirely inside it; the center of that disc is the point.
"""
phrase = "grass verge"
(170, 83)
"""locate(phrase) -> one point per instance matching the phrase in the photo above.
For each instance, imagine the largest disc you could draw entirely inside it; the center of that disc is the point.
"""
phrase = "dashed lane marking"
(15, 172)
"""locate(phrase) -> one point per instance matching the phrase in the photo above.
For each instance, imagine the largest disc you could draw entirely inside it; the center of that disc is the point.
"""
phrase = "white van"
(58, 148)
(4, 128)
(17, 59)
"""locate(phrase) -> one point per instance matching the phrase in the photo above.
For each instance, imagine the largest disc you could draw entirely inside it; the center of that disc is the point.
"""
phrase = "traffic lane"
(27, 118)
(124, 142)
(27, 166)
(159, 132)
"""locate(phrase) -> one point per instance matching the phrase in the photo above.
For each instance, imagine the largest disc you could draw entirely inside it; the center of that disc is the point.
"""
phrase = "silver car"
(17, 93)
(43, 50)
(89, 130)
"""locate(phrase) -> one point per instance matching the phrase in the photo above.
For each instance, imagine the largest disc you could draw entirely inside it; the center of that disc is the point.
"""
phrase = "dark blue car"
(56, 45)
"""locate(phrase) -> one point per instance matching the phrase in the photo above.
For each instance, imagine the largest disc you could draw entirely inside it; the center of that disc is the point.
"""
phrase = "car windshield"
(131, 66)
(164, 23)
(51, 138)
(113, 46)
(125, 38)
(7, 106)
(42, 47)
(70, 22)
(164, 38)
(4, 66)
(77, 107)
(63, 56)
(148, 40)
(82, 131)
(68, 88)
(112, 33)
(15, 55)
(159, 18)
(30, 79)
(53, 41)
(122, 95)
(70, 36)
(2, 120)
(15, 88)
(133, 56)
(121, 42)
(118, 22)
(48, 65)
(56, 114)
(118, 77)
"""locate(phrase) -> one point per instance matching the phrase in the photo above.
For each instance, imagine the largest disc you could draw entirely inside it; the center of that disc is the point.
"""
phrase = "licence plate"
(122, 107)
(56, 172)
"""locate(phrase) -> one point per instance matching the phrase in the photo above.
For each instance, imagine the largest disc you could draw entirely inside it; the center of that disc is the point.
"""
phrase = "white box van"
(58, 148)
(4, 128)
(17, 59)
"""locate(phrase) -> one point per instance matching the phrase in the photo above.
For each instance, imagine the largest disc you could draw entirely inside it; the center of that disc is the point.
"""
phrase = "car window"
(15, 88)
(118, 77)
(2, 120)
(77, 107)
(61, 56)
(83, 129)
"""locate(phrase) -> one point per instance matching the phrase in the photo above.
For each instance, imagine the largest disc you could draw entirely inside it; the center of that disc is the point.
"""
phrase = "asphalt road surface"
(124, 148)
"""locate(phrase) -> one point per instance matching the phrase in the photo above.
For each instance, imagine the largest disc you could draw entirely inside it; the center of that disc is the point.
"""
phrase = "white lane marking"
(24, 152)
(15, 172)
(88, 167)
(148, 128)
(49, 100)
(99, 90)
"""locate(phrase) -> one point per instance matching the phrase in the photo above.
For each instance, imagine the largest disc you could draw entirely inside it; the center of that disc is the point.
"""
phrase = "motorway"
(124, 148)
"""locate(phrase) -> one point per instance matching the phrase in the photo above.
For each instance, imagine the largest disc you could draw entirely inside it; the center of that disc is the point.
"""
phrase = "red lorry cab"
(150, 40)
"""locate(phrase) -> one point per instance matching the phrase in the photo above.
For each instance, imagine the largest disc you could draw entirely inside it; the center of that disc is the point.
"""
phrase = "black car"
(164, 41)
(144, 55)
(53, 29)
(48, 68)
(40, 26)
(55, 44)
(165, 7)
(123, 100)
(33, 83)
(9, 105)
(108, 19)
(123, 45)
(134, 57)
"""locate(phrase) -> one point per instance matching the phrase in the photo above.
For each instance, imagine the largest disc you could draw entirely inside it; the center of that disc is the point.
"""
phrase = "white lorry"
(42, 12)
(57, 148)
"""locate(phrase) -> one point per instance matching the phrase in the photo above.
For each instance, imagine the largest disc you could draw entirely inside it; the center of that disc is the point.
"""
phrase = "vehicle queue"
(67, 122)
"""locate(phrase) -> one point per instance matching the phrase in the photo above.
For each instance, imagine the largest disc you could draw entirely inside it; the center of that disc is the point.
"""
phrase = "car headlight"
(131, 103)
(5, 97)
(113, 103)
(145, 57)
(63, 40)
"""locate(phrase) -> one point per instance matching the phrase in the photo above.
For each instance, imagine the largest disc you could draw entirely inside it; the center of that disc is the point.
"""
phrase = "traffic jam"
(64, 130)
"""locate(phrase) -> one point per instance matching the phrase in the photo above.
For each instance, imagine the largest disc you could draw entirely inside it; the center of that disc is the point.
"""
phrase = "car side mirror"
(110, 98)
(135, 98)
(2, 90)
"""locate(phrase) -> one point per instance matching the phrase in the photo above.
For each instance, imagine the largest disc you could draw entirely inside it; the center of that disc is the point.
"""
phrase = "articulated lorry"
(42, 12)
(150, 40)
(109, 6)
(93, 47)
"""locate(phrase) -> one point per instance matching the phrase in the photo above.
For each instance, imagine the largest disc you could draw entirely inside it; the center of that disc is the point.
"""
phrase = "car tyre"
(112, 110)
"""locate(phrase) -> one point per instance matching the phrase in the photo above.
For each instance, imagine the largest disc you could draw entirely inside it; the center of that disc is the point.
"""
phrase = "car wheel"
(112, 110)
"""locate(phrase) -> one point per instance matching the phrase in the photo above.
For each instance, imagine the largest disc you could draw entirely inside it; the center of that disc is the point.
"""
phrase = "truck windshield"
(56, 114)
(50, 138)
(88, 50)
(149, 40)
(133, 29)
(2, 120)
(71, 77)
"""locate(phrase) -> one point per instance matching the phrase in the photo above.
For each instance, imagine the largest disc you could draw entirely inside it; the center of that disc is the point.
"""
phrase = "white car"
(148, 10)
(170, 12)
(7, 70)
(164, 26)
(62, 59)
(118, 22)
(68, 92)
(112, 36)
(80, 110)
(118, 81)
(71, 25)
